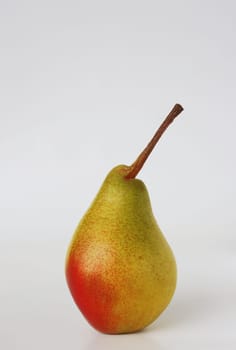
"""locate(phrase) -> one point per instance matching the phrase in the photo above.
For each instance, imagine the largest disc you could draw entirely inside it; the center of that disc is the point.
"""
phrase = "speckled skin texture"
(119, 268)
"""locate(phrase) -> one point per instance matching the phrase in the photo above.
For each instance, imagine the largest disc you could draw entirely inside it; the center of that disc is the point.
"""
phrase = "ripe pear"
(120, 269)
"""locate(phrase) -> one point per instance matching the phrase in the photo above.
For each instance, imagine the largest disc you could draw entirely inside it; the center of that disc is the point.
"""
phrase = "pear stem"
(139, 162)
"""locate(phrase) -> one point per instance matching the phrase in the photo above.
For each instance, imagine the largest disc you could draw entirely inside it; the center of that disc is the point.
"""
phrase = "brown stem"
(139, 162)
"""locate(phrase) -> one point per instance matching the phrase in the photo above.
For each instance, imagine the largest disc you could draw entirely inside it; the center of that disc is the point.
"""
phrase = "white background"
(83, 87)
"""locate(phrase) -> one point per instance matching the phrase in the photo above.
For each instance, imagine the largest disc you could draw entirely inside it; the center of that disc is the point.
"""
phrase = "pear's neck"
(120, 195)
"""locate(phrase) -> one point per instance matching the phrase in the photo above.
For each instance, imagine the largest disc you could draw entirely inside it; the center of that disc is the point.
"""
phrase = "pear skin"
(120, 269)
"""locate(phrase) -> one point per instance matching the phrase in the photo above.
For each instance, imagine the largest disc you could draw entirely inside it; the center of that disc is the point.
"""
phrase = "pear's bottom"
(116, 303)
(123, 330)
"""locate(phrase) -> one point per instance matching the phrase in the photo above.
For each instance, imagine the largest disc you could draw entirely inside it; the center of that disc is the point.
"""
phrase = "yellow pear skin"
(119, 267)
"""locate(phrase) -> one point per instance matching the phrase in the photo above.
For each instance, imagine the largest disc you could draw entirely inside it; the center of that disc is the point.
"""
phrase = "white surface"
(83, 86)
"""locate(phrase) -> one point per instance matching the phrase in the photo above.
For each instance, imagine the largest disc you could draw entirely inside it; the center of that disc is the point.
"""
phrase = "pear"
(120, 269)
